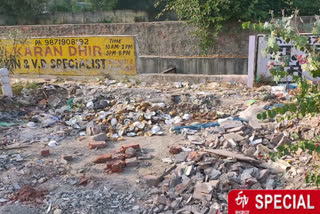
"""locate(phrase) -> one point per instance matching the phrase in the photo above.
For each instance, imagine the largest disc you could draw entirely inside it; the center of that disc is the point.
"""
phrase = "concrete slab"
(192, 78)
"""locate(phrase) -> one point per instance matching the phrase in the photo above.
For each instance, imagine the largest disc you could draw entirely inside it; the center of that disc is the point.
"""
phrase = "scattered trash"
(5, 124)
(31, 125)
(250, 102)
(222, 145)
(52, 143)
(268, 107)
(195, 127)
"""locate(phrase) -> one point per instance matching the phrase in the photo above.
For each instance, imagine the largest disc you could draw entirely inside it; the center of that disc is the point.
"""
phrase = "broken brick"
(102, 158)
(119, 157)
(134, 146)
(45, 153)
(97, 144)
(109, 164)
(118, 151)
(175, 150)
(83, 181)
(132, 162)
(194, 156)
(115, 166)
(180, 188)
(130, 152)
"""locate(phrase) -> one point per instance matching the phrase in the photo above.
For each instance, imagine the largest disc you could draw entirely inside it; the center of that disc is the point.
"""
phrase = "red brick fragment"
(119, 157)
(134, 146)
(115, 166)
(102, 158)
(28, 194)
(194, 156)
(175, 150)
(118, 151)
(97, 144)
(83, 181)
(45, 153)
(130, 152)
(109, 164)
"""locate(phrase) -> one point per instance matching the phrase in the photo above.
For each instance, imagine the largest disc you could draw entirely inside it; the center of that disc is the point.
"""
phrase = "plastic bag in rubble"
(168, 122)
(131, 134)
(156, 130)
(161, 105)
(175, 120)
(69, 103)
(178, 84)
(149, 114)
(187, 117)
(5, 124)
(103, 114)
(48, 120)
(90, 105)
(73, 122)
(139, 125)
(196, 126)
(114, 121)
(31, 125)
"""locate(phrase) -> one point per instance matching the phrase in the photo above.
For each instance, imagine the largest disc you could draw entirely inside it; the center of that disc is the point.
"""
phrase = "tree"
(145, 5)
(307, 7)
(103, 5)
(59, 5)
(208, 16)
(22, 9)
(137, 5)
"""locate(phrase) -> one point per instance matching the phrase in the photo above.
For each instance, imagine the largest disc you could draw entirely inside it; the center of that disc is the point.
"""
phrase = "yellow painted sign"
(73, 56)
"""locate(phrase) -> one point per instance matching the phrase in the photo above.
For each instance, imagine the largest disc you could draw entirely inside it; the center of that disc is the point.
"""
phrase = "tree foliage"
(305, 100)
(208, 16)
(103, 5)
(137, 5)
(59, 5)
(21, 9)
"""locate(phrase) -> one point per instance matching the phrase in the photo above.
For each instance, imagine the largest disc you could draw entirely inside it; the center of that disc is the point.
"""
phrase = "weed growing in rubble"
(310, 146)
(306, 99)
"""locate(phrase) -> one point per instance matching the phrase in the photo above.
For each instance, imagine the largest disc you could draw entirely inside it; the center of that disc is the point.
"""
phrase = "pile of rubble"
(215, 161)
(224, 147)
(108, 108)
(98, 199)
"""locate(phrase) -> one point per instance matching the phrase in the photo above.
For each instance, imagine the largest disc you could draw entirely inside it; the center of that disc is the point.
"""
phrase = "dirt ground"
(79, 185)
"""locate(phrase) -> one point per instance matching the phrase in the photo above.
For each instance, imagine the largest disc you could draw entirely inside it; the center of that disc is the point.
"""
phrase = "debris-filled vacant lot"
(132, 147)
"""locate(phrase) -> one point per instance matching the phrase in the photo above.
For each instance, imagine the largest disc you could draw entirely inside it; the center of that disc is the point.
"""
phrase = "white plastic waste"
(114, 121)
(90, 105)
(31, 125)
(52, 143)
(187, 117)
(176, 120)
(131, 134)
